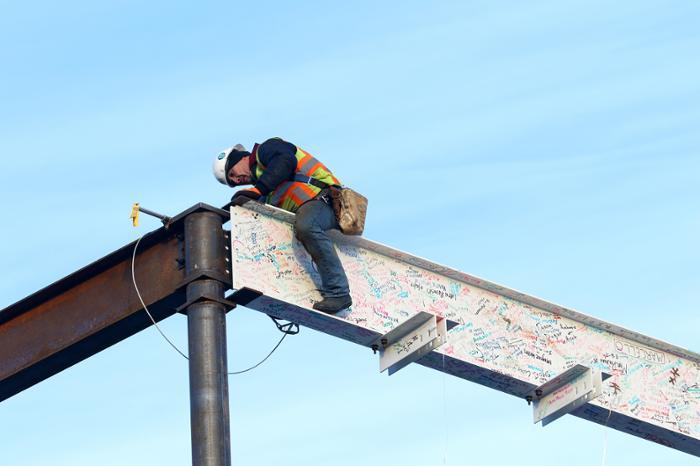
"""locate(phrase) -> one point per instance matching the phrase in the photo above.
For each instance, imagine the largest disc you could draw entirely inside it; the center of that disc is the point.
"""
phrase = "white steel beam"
(411, 340)
(504, 339)
(566, 392)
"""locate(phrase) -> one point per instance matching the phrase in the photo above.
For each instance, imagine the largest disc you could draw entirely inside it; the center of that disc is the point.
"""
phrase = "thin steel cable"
(145, 308)
(133, 279)
(444, 410)
(605, 436)
(269, 354)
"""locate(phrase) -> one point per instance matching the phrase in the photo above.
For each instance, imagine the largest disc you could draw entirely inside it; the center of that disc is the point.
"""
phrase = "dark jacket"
(280, 162)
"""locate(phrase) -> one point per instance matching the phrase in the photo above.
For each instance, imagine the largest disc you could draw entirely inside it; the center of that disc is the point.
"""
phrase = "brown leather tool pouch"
(350, 209)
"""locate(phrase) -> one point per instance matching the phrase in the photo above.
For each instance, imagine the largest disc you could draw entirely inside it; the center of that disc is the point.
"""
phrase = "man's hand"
(245, 195)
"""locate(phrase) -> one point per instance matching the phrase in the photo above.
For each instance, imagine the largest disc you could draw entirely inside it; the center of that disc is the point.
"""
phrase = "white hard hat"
(223, 163)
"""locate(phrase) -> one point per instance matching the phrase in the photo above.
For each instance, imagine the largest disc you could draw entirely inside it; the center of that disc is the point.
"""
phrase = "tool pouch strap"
(311, 181)
(350, 207)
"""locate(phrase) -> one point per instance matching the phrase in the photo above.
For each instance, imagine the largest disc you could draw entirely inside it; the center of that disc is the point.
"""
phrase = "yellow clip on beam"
(135, 214)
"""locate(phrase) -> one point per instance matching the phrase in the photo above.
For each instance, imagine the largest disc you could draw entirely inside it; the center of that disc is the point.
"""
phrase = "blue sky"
(548, 146)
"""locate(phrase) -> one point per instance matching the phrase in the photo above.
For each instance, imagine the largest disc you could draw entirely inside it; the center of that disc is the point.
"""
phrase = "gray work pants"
(313, 219)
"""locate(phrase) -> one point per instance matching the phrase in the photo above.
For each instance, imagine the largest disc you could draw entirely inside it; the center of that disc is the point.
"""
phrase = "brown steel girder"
(93, 308)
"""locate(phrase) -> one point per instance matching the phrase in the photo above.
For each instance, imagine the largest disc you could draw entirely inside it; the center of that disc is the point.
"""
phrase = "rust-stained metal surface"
(91, 309)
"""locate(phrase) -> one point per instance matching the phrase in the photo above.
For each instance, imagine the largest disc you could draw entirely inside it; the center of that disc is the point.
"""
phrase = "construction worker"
(288, 177)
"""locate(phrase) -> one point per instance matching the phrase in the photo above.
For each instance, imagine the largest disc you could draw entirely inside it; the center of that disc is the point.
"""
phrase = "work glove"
(245, 195)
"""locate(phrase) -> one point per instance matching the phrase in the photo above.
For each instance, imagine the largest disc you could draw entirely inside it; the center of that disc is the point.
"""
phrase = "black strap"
(312, 181)
(290, 328)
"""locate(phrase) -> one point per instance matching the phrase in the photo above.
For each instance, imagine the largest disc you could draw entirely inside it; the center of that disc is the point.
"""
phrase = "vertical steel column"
(206, 323)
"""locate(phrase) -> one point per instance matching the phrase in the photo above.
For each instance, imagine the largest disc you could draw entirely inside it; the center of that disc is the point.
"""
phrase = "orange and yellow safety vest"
(290, 195)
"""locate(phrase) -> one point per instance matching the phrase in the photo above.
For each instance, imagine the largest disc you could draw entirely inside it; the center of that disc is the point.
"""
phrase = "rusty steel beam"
(93, 308)
(206, 329)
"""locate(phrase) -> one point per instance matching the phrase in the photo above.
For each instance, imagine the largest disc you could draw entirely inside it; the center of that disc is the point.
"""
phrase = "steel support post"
(206, 322)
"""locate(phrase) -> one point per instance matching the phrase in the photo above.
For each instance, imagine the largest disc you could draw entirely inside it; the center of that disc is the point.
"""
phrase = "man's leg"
(312, 221)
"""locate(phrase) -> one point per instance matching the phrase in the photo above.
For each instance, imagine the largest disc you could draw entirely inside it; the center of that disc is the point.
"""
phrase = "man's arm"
(279, 159)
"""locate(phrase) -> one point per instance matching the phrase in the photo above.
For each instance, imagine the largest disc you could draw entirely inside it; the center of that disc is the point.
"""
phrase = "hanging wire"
(605, 435)
(444, 410)
(284, 335)
(286, 329)
(133, 279)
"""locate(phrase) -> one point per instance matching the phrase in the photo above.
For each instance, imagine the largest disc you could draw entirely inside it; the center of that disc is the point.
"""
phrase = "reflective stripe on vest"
(290, 195)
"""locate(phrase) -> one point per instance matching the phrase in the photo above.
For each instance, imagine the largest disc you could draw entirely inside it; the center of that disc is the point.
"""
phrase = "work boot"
(333, 305)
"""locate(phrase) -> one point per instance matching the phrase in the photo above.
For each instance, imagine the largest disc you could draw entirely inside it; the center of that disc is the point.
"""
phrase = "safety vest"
(290, 195)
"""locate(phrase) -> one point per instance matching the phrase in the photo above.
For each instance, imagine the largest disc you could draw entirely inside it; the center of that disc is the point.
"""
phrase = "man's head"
(232, 166)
